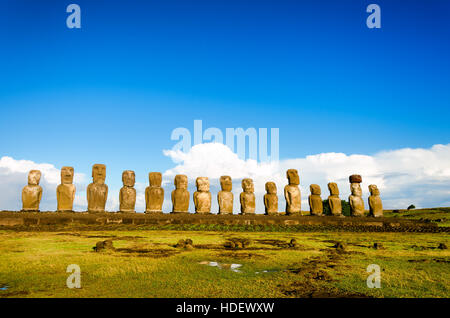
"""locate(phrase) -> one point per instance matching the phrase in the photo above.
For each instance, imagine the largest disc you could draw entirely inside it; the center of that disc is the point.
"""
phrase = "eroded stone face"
(315, 201)
(315, 189)
(375, 204)
(247, 185)
(373, 189)
(226, 183)
(154, 194)
(333, 187)
(271, 188)
(292, 192)
(180, 196)
(34, 177)
(128, 178)
(181, 181)
(127, 195)
(225, 197)
(355, 200)
(271, 199)
(333, 200)
(202, 197)
(99, 173)
(67, 174)
(97, 192)
(293, 178)
(32, 193)
(155, 179)
(65, 192)
(202, 184)
(247, 197)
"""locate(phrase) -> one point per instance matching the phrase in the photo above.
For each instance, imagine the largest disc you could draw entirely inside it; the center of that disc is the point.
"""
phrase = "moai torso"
(315, 201)
(97, 192)
(375, 204)
(247, 197)
(202, 197)
(180, 196)
(271, 198)
(65, 192)
(355, 199)
(292, 193)
(225, 197)
(154, 194)
(333, 200)
(127, 195)
(32, 193)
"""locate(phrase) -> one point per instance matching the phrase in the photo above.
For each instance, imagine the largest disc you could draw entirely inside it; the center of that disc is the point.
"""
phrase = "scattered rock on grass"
(186, 244)
(340, 246)
(442, 246)
(293, 243)
(237, 243)
(378, 246)
(103, 245)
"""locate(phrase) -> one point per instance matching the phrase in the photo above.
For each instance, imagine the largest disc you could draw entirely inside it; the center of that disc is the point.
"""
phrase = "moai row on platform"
(97, 195)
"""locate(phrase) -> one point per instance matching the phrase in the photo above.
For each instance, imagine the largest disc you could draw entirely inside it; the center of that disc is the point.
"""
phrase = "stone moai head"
(292, 175)
(373, 189)
(247, 185)
(202, 184)
(99, 173)
(315, 189)
(226, 183)
(34, 177)
(181, 181)
(155, 179)
(271, 188)
(128, 178)
(334, 190)
(67, 175)
(356, 189)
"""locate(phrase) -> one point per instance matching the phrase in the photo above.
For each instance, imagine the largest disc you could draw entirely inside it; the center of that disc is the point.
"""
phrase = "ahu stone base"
(48, 221)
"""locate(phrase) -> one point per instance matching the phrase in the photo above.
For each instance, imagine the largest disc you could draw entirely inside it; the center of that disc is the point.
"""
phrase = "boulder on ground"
(340, 246)
(442, 246)
(293, 243)
(103, 245)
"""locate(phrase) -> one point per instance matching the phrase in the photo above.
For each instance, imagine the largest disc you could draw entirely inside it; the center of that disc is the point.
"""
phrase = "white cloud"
(404, 176)
(14, 176)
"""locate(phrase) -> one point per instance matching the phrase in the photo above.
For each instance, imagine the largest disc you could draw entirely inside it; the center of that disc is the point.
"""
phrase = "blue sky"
(113, 91)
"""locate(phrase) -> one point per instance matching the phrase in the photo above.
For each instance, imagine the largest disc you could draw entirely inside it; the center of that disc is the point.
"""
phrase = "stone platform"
(110, 220)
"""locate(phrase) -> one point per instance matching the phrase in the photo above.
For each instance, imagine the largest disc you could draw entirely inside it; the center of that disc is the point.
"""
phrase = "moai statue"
(315, 201)
(127, 195)
(65, 192)
(180, 196)
(271, 199)
(292, 192)
(225, 197)
(247, 197)
(333, 200)
(154, 194)
(355, 199)
(97, 192)
(32, 193)
(202, 197)
(375, 205)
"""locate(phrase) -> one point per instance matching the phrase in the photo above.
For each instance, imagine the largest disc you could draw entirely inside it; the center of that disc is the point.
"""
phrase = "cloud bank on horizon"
(404, 176)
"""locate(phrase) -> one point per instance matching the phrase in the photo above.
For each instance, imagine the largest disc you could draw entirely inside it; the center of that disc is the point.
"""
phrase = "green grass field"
(440, 216)
(145, 264)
